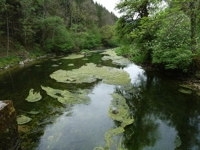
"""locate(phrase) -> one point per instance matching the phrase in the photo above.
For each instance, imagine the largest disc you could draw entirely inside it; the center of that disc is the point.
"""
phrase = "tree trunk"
(8, 35)
(193, 24)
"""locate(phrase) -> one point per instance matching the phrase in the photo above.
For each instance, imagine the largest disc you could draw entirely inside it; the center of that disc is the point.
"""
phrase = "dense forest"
(162, 33)
(35, 26)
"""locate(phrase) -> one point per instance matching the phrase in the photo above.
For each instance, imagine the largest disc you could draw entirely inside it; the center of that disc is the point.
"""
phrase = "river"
(163, 117)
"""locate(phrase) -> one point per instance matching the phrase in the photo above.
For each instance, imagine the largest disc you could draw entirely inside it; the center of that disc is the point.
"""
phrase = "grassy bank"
(17, 57)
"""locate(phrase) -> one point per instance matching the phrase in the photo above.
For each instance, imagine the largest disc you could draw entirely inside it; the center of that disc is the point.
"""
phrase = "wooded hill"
(54, 25)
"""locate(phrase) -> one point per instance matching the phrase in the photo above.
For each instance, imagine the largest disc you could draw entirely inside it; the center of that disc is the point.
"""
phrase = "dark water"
(164, 118)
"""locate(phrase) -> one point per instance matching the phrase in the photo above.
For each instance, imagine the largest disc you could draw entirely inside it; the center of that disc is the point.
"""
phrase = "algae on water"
(23, 120)
(33, 96)
(90, 73)
(119, 111)
(111, 55)
(66, 97)
(185, 91)
(74, 56)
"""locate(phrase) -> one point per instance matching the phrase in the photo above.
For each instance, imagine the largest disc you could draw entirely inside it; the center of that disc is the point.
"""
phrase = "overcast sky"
(109, 4)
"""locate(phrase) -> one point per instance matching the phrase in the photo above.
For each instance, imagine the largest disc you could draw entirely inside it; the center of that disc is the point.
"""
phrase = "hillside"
(53, 26)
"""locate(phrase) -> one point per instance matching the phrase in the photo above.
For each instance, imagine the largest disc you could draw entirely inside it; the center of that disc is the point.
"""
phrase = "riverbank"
(21, 59)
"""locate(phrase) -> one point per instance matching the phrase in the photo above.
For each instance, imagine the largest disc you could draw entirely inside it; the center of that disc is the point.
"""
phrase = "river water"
(164, 118)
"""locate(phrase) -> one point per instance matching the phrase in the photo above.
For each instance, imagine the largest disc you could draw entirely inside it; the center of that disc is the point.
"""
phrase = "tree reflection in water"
(163, 117)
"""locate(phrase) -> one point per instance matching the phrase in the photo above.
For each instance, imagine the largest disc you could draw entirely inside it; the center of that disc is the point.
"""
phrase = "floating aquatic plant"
(74, 56)
(111, 55)
(119, 111)
(177, 141)
(90, 73)
(66, 97)
(33, 112)
(23, 120)
(55, 65)
(185, 91)
(33, 96)
(70, 65)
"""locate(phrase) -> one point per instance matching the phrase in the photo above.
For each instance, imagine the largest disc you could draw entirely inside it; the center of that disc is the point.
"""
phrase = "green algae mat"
(90, 73)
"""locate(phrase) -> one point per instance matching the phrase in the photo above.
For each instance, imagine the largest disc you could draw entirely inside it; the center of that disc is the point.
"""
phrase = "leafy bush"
(132, 53)
(55, 35)
(173, 59)
(8, 60)
(171, 48)
(108, 37)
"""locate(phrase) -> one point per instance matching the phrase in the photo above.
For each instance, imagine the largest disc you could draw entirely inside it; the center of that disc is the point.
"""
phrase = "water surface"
(164, 118)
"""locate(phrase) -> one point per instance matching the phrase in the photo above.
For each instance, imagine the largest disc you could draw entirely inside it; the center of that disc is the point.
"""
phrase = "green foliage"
(132, 53)
(123, 29)
(167, 37)
(53, 25)
(8, 60)
(173, 59)
(55, 35)
(108, 36)
(171, 47)
(86, 40)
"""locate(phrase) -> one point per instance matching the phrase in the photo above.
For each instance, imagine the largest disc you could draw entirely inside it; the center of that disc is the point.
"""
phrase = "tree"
(192, 9)
(51, 24)
(108, 36)
(55, 35)
(10, 14)
(171, 47)
(155, 32)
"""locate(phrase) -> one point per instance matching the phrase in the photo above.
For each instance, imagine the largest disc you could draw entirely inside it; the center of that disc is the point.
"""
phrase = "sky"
(109, 4)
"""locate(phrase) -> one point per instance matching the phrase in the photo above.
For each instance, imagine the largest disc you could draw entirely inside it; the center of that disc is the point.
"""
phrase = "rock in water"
(9, 137)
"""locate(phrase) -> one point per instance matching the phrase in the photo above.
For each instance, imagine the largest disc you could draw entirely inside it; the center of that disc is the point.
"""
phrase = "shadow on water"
(164, 118)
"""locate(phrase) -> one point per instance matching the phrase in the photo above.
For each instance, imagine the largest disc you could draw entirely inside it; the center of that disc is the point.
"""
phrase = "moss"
(23, 120)
(33, 96)
(90, 73)
(74, 56)
(66, 97)
(111, 55)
